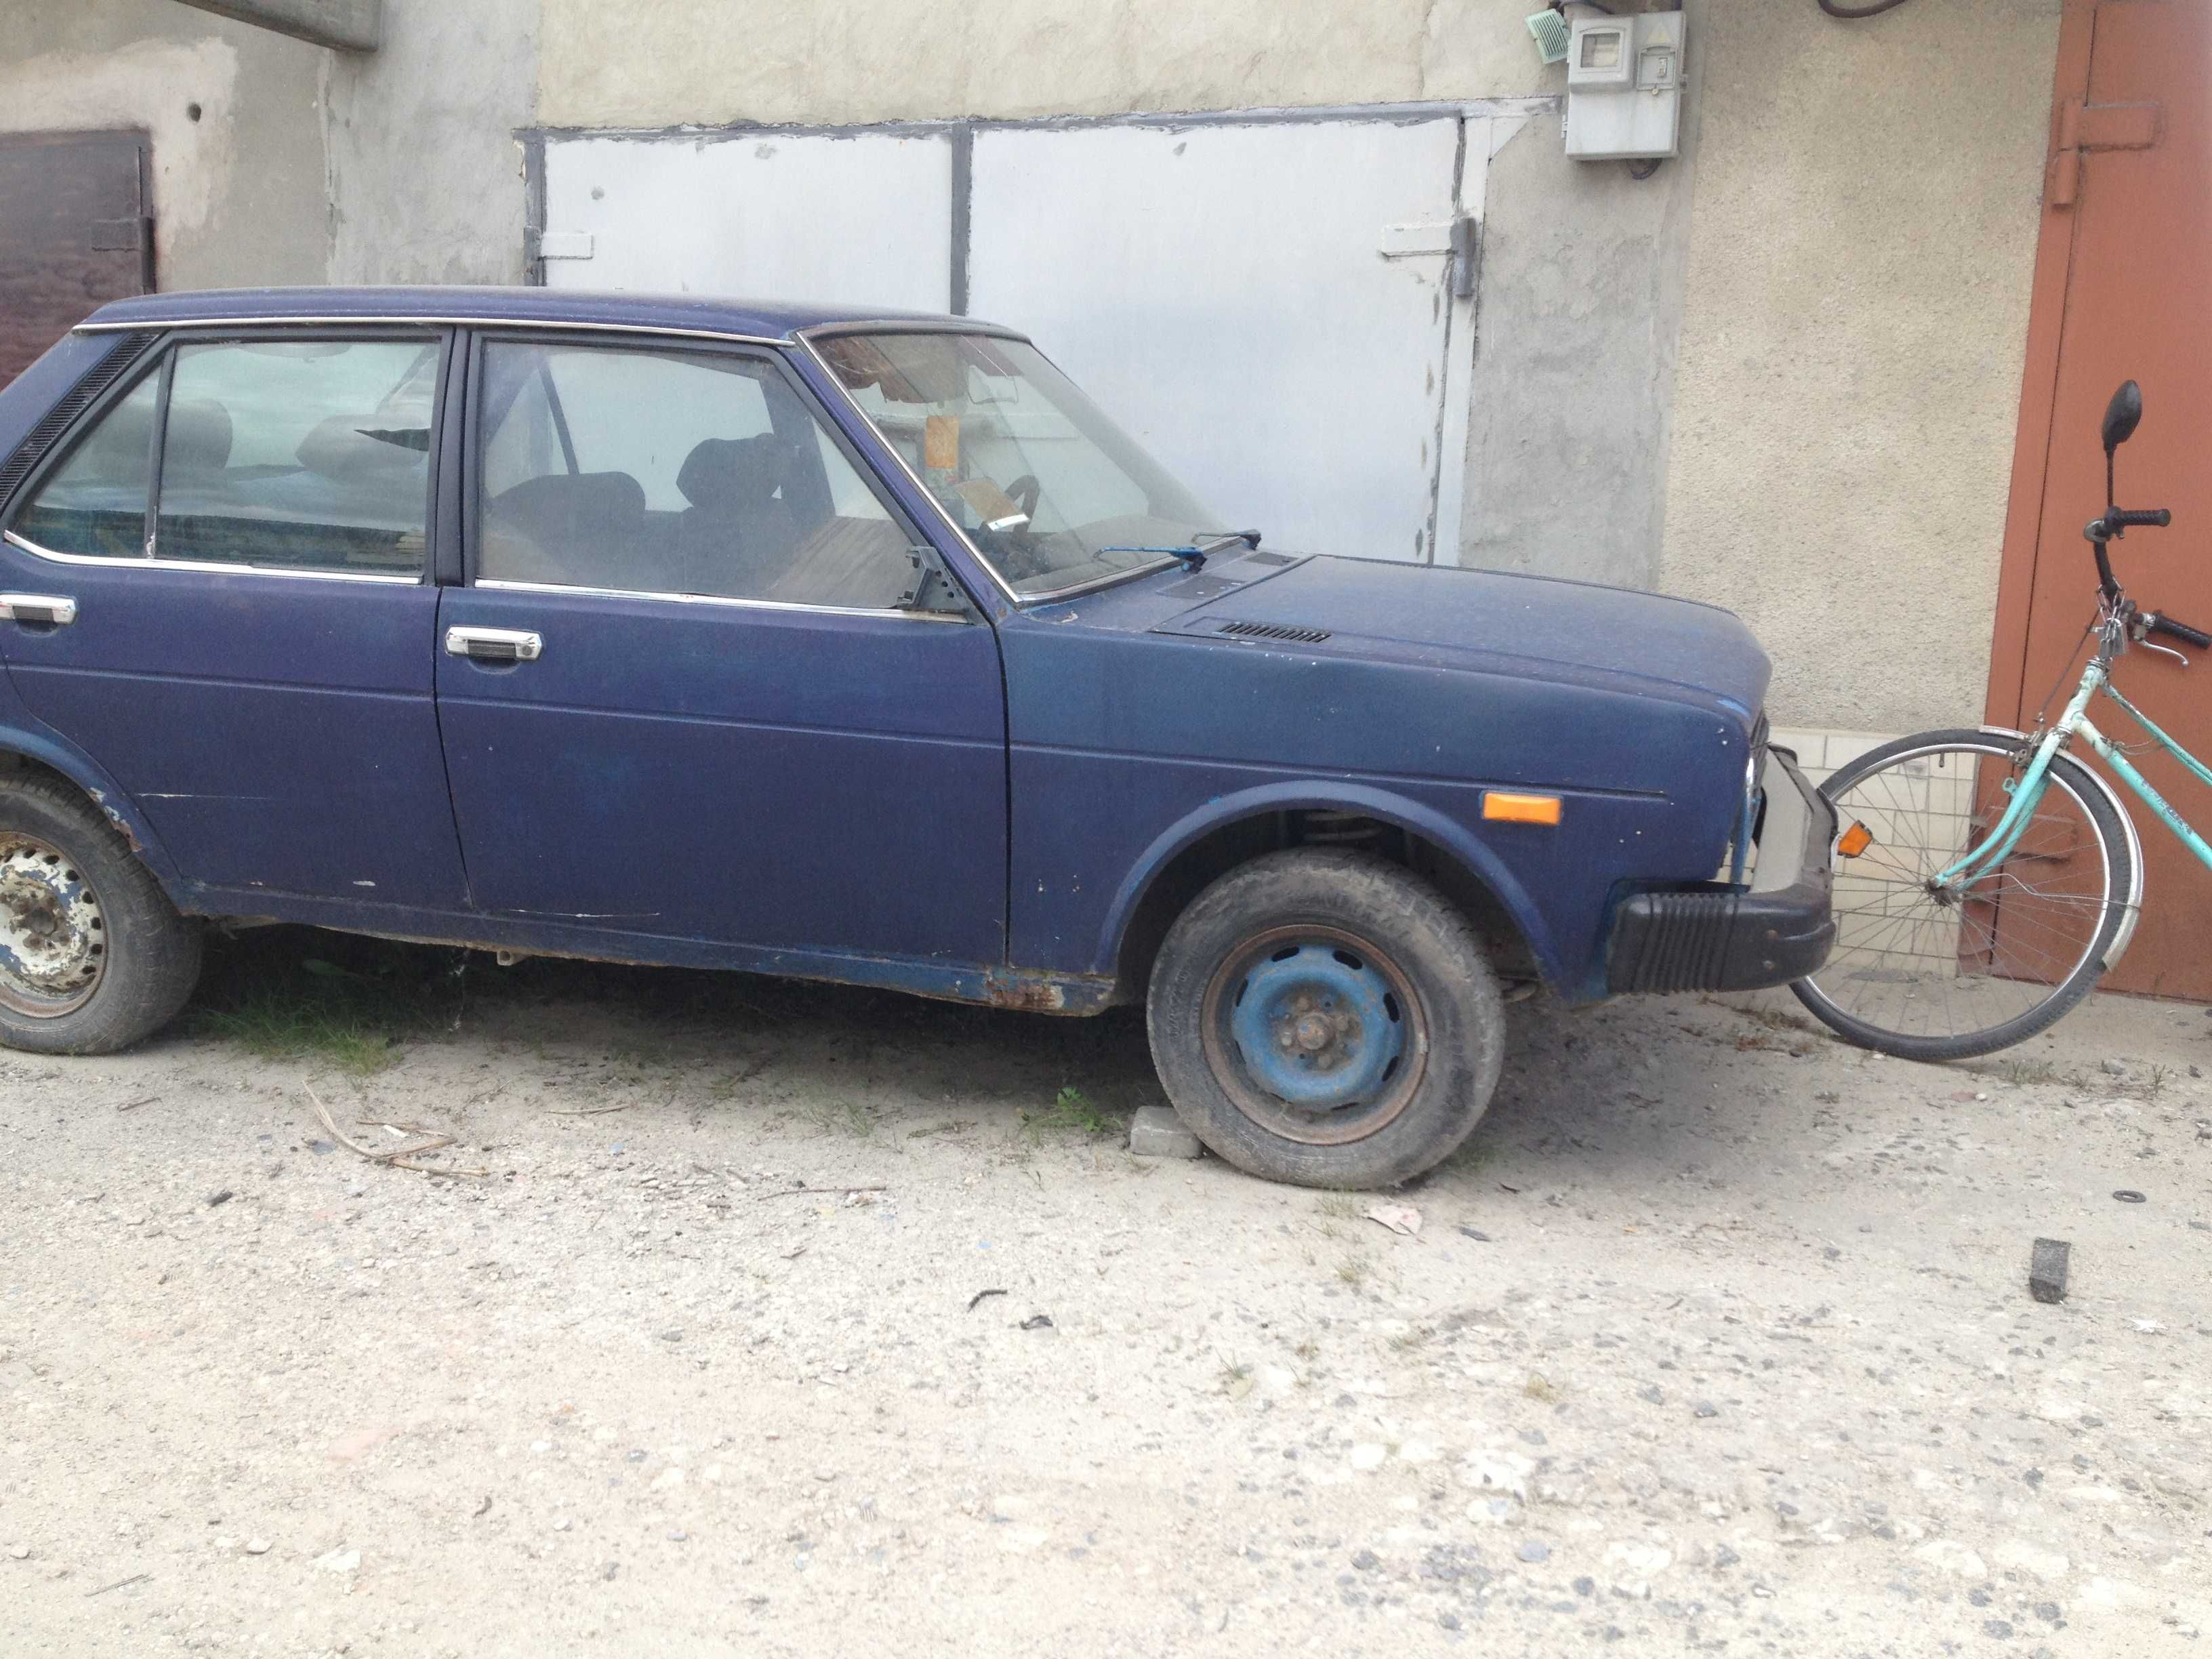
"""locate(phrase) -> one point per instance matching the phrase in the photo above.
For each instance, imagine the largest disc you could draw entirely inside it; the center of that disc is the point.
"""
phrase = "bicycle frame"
(2028, 792)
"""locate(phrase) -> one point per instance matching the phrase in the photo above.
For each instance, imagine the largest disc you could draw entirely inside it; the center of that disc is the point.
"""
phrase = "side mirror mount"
(2122, 414)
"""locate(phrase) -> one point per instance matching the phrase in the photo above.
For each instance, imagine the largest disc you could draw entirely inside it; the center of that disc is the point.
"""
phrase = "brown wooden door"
(74, 232)
(2124, 289)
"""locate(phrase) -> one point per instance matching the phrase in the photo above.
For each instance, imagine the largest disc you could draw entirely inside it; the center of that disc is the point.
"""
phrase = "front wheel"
(1327, 1019)
(1927, 969)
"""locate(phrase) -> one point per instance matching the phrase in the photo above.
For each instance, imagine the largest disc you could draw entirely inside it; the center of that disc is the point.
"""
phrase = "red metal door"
(74, 232)
(2122, 274)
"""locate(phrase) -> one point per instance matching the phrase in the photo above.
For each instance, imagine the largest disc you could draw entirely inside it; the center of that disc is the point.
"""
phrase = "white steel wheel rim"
(53, 938)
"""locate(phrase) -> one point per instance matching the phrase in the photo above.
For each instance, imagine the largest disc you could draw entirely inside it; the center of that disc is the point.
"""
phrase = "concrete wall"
(238, 194)
(426, 172)
(710, 62)
(1583, 268)
(1860, 260)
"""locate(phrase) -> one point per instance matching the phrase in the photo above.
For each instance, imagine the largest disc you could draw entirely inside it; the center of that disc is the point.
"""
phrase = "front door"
(252, 660)
(2125, 248)
(691, 692)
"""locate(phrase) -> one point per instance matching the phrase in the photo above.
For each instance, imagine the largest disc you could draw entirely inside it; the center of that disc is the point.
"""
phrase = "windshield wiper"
(1192, 553)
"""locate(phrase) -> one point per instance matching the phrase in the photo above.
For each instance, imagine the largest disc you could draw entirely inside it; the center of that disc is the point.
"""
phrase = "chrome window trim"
(494, 584)
(911, 325)
(805, 339)
(210, 566)
(156, 325)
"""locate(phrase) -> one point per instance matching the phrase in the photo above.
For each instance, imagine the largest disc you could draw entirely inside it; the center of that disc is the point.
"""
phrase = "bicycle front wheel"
(1929, 971)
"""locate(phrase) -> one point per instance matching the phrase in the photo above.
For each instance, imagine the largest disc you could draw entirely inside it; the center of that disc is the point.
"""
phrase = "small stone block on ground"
(1156, 1132)
(2046, 1269)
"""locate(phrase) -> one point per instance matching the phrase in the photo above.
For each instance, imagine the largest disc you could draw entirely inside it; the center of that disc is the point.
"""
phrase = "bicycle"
(1985, 878)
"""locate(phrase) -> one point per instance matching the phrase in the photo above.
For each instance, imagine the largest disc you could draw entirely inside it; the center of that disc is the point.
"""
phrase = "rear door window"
(302, 455)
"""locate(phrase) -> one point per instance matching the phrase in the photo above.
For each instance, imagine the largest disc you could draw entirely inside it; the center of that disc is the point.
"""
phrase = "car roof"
(765, 319)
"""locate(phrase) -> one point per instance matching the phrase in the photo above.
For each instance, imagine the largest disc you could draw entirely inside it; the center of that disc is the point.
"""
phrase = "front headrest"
(197, 436)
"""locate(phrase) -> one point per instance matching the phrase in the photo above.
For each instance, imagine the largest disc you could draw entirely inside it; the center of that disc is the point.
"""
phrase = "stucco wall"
(426, 172)
(1583, 268)
(237, 194)
(1848, 383)
(708, 62)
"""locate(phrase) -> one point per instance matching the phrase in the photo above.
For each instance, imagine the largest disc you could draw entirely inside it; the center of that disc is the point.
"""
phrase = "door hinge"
(1458, 237)
(2082, 126)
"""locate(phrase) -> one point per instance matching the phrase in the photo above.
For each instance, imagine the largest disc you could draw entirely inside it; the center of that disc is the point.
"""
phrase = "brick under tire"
(93, 956)
(1326, 1019)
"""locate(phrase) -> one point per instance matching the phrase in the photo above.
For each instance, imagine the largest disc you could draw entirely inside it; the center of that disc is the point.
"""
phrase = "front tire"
(1326, 1019)
(1929, 972)
(93, 956)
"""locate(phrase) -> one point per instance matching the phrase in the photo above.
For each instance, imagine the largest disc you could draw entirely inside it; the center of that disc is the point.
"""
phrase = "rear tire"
(93, 956)
(1923, 978)
(1326, 1019)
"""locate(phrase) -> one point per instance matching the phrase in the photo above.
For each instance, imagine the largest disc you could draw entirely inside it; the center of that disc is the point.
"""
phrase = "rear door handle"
(50, 610)
(494, 644)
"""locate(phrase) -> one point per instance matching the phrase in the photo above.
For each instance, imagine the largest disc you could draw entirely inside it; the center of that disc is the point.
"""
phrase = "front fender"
(1371, 802)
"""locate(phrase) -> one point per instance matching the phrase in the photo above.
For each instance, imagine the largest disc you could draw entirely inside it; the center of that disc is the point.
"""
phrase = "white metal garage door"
(864, 221)
(1267, 303)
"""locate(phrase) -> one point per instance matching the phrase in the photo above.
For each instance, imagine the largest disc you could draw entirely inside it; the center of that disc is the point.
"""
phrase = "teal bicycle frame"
(2028, 791)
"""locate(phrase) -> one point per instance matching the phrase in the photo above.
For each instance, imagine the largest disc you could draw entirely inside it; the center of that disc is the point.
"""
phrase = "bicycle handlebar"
(2154, 623)
(2122, 518)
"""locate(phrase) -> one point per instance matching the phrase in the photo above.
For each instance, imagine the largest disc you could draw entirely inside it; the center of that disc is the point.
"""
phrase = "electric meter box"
(1625, 87)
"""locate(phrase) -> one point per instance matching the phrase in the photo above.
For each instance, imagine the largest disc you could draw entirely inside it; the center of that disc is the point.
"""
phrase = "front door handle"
(494, 644)
(48, 609)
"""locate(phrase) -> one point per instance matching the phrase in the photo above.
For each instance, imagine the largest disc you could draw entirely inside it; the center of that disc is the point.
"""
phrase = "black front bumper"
(1727, 939)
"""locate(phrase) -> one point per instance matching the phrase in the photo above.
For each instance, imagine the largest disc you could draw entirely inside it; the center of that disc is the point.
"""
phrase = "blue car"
(837, 645)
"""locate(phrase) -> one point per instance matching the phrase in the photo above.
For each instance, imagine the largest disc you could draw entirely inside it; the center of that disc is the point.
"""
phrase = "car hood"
(1482, 621)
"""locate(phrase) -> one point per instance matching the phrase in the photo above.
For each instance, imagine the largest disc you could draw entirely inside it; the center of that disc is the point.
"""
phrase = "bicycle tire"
(2100, 909)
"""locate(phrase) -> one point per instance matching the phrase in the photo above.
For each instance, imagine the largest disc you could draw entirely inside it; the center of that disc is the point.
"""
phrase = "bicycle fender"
(2126, 935)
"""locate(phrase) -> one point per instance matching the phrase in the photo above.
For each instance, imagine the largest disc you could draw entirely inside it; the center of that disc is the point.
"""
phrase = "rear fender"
(50, 750)
(1430, 825)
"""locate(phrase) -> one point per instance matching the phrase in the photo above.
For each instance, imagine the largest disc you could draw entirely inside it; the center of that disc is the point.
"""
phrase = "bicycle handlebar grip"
(2182, 631)
(2156, 517)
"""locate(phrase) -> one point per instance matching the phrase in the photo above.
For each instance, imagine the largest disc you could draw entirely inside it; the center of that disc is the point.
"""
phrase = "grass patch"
(1342, 1206)
(352, 1004)
(1072, 1113)
(1355, 1270)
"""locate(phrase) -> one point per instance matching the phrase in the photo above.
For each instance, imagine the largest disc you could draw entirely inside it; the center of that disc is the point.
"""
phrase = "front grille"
(55, 421)
(1251, 631)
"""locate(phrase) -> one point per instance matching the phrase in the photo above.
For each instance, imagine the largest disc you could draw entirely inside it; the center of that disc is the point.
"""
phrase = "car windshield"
(1052, 493)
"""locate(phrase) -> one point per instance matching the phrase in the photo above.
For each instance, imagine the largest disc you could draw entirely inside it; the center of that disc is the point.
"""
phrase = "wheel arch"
(28, 750)
(1232, 830)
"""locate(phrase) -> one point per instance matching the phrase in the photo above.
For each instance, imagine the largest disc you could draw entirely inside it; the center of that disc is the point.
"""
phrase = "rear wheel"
(1328, 1019)
(1928, 970)
(93, 956)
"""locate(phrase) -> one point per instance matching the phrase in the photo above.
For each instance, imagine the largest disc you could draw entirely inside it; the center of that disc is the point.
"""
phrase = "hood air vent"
(1251, 631)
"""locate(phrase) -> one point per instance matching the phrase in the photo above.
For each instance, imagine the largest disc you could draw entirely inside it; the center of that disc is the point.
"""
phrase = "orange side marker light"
(1855, 840)
(1501, 808)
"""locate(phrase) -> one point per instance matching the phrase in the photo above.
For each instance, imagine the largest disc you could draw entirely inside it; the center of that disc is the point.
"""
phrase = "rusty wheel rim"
(53, 938)
(1315, 1034)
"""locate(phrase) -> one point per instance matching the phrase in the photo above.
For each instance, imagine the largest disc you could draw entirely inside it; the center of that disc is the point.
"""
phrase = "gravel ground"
(1715, 1339)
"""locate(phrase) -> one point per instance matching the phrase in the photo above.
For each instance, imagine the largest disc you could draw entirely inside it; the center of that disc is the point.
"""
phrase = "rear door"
(251, 660)
(79, 233)
(683, 695)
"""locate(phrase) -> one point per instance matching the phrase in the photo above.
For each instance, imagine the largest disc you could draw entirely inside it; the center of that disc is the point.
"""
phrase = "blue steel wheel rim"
(1315, 1034)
